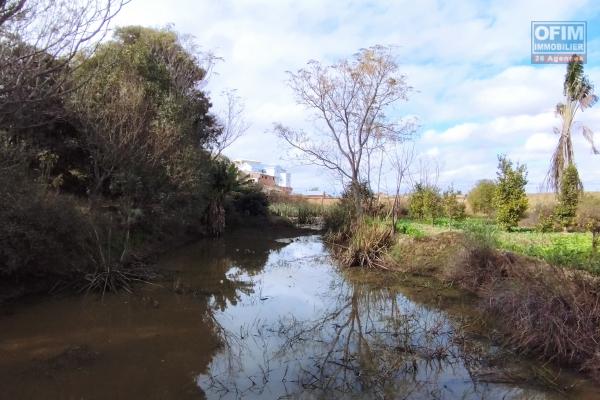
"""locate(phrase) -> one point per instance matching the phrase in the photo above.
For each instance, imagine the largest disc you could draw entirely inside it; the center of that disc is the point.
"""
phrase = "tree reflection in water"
(327, 336)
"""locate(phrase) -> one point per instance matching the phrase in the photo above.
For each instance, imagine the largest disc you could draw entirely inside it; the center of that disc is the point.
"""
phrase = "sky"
(476, 93)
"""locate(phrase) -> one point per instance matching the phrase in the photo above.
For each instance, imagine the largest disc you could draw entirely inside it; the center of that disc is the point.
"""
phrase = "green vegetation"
(407, 228)
(124, 164)
(510, 199)
(572, 250)
(568, 196)
(425, 203)
(481, 197)
(452, 208)
(588, 220)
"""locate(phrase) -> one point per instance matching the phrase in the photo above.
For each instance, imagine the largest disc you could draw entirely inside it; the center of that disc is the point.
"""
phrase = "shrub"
(543, 217)
(588, 219)
(250, 200)
(481, 197)
(425, 203)
(568, 196)
(510, 199)
(365, 194)
(337, 218)
(41, 236)
(452, 207)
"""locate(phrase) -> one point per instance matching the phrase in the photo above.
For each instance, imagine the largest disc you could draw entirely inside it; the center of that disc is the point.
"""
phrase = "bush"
(481, 197)
(588, 219)
(367, 246)
(543, 217)
(250, 201)
(510, 199)
(452, 207)
(41, 236)
(568, 197)
(365, 194)
(425, 203)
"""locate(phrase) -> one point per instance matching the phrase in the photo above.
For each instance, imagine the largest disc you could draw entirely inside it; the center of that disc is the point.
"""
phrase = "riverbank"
(142, 260)
(547, 311)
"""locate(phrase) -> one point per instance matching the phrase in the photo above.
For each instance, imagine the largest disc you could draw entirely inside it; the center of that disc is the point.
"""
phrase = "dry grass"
(364, 245)
(547, 311)
(542, 310)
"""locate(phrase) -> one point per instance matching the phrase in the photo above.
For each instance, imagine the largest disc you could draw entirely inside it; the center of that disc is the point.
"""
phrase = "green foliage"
(41, 235)
(406, 228)
(572, 250)
(425, 203)
(568, 196)
(510, 199)
(588, 218)
(452, 207)
(250, 200)
(365, 196)
(481, 197)
(481, 234)
(130, 146)
(544, 217)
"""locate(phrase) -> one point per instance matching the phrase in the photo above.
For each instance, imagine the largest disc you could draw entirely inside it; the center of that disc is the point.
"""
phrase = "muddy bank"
(143, 259)
(539, 309)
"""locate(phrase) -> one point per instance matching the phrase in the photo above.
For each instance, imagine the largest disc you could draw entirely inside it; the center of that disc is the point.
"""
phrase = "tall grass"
(298, 211)
(365, 244)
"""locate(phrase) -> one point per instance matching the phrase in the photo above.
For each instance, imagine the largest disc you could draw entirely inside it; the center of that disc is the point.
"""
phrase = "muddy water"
(264, 314)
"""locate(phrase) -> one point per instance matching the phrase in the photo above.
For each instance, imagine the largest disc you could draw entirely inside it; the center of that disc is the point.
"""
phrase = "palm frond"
(588, 134)
(573, 78)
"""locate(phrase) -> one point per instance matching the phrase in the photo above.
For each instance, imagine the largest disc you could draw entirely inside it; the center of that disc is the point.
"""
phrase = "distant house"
(271, 177)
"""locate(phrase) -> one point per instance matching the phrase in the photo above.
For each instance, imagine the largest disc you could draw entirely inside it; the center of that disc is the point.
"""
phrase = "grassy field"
(571, 250)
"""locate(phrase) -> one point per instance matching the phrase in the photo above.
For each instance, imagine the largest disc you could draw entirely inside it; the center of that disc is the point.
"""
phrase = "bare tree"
(232, 121)
(38, 41)
(401, 160)
(351, 101)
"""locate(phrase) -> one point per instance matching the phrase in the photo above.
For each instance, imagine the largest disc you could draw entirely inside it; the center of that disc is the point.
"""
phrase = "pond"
(265, 314)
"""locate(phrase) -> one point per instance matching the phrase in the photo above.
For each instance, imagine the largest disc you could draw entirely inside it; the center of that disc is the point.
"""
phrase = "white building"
(282, 177)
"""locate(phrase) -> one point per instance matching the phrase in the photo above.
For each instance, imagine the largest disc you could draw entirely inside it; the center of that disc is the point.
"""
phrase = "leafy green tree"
(568, 197)
(139, 104)
(425, 203)
(452, 207)
(481, 197)
(579, 95)
(510, 199)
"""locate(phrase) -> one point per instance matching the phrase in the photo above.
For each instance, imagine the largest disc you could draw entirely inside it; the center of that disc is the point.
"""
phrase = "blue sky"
(477, 94)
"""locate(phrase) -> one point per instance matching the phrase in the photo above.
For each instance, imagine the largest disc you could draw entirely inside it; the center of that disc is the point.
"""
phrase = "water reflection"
(251, 315)
(307, 330)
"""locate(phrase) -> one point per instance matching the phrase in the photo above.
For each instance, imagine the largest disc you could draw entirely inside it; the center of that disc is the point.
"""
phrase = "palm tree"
(579, 95)
(225, 179)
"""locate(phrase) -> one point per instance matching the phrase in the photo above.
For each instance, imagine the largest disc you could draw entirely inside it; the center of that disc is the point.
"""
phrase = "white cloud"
(541, 142)
(472, 96)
